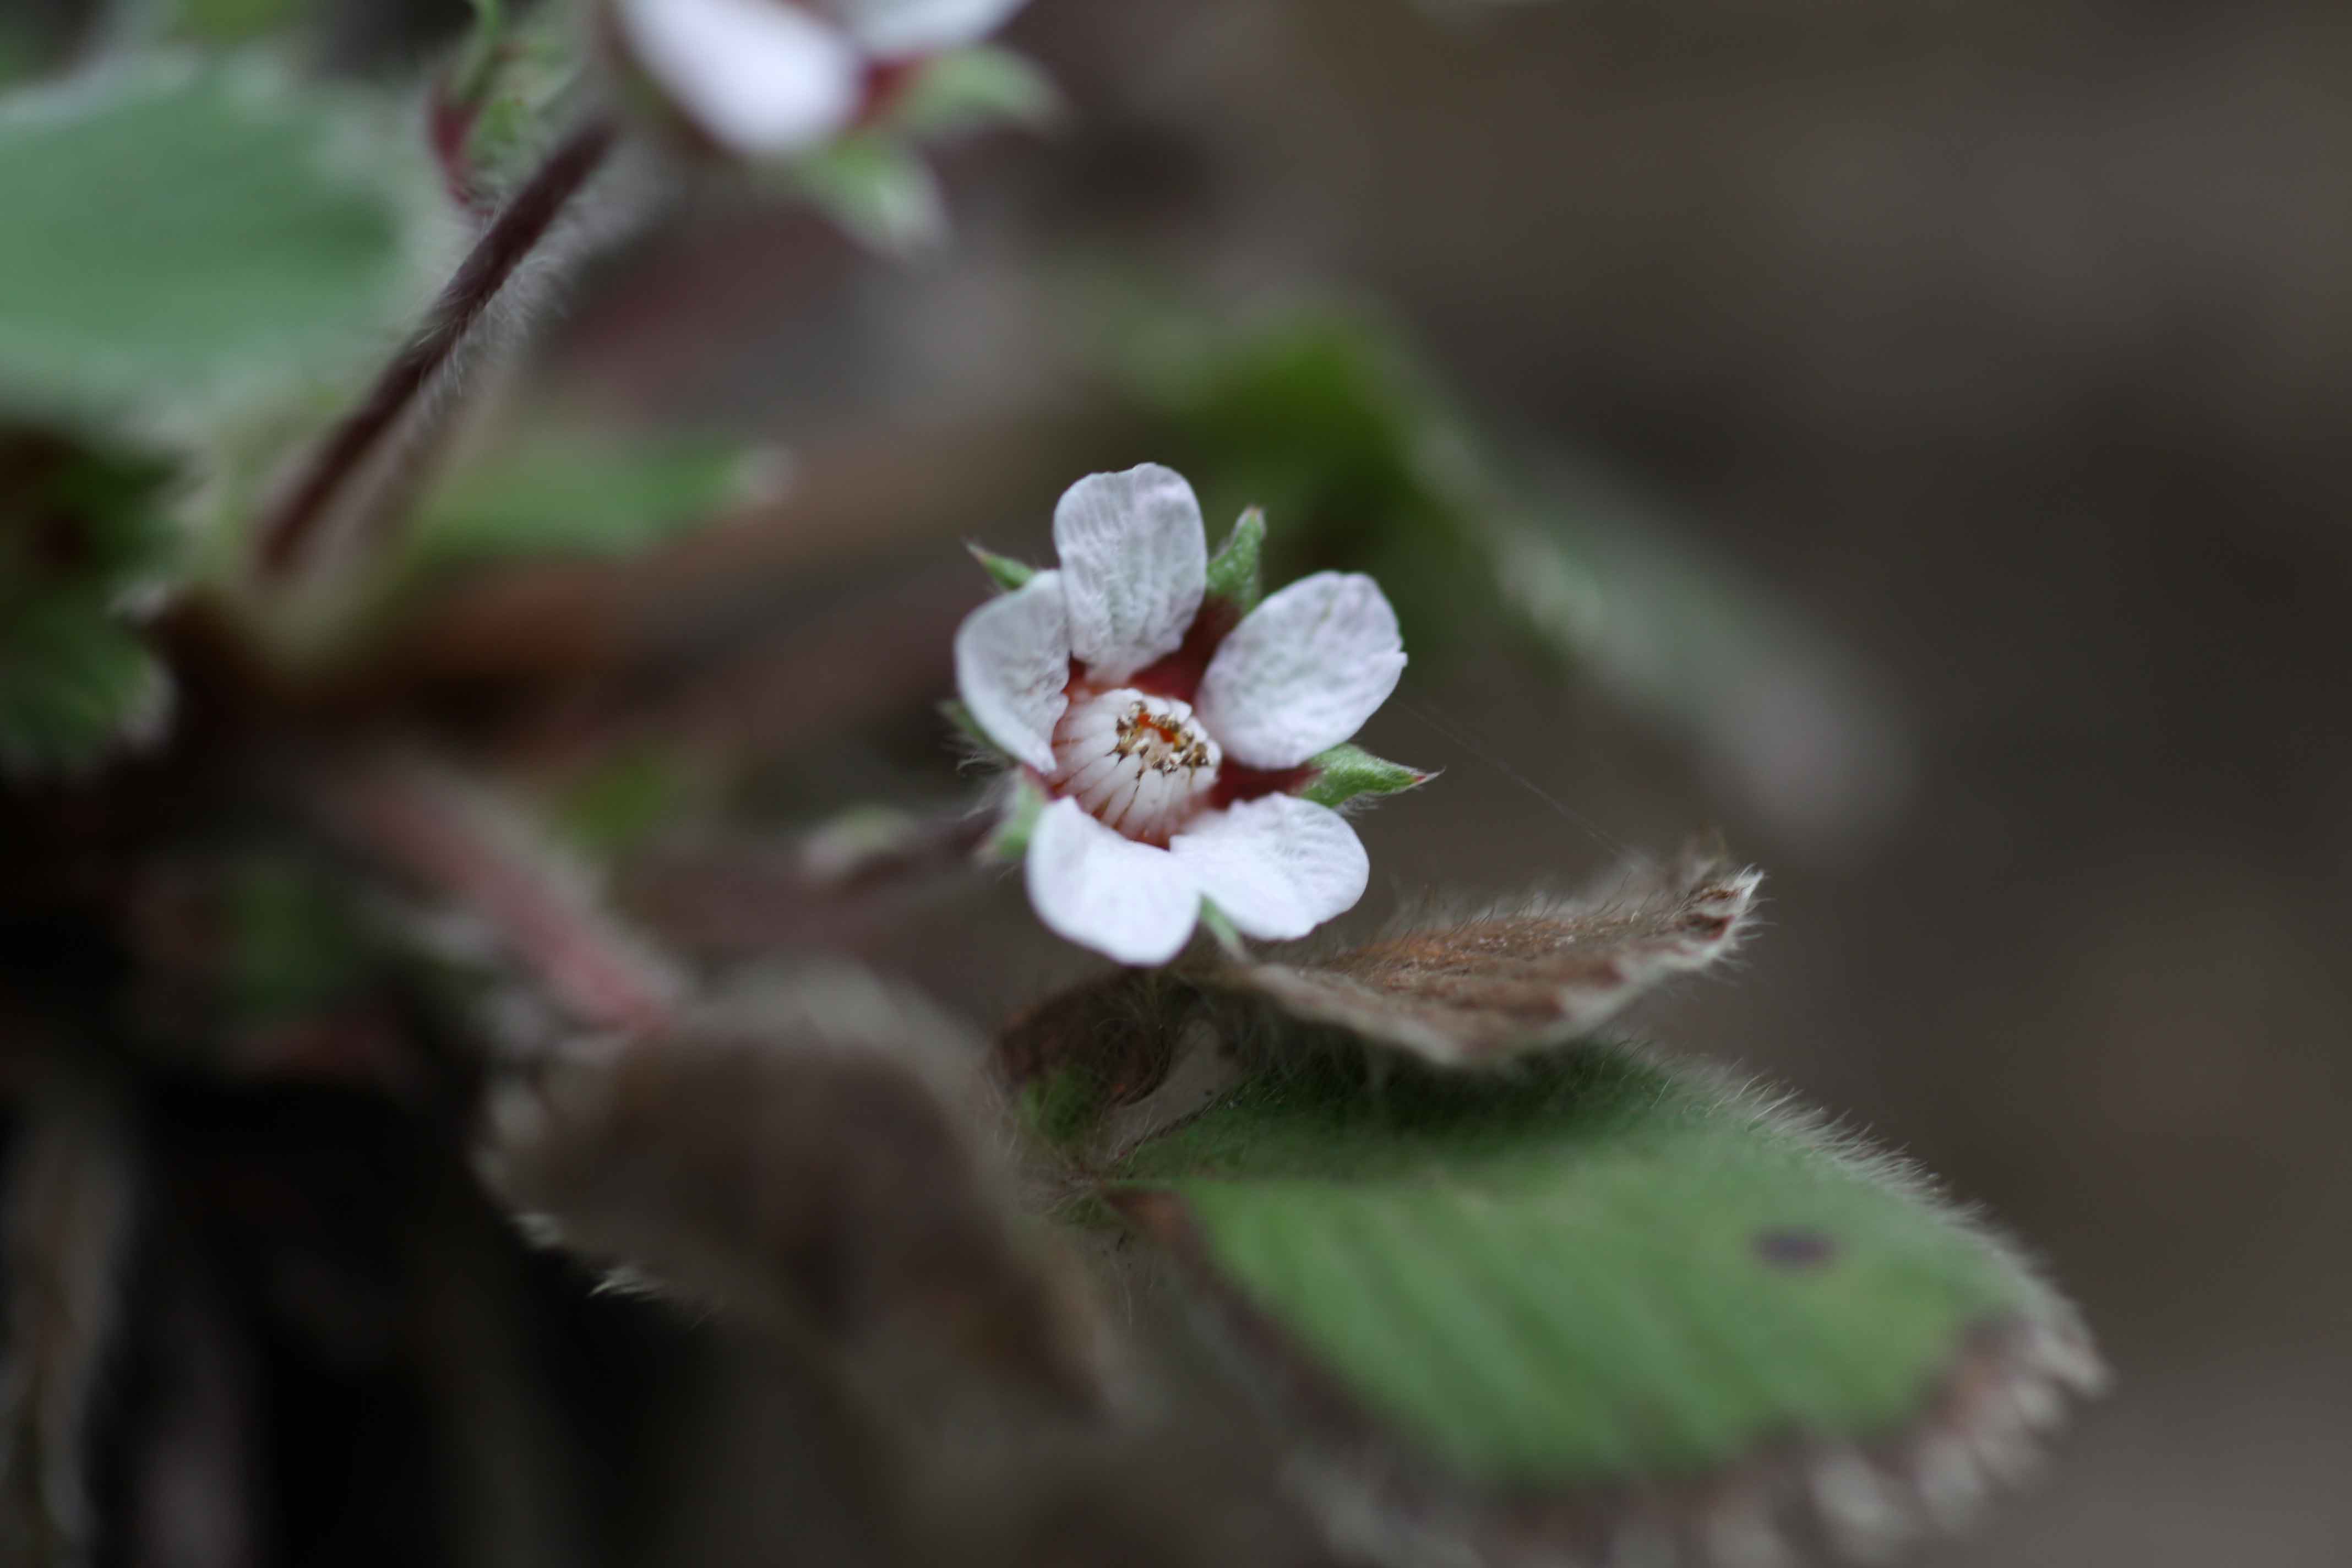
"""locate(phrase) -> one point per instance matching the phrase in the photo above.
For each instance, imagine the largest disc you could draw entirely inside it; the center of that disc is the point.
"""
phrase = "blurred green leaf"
(572, 492)
(1323, 416)
(294, 943)
(75, 683)
(621, 803)
(1592, 1273)
(217, 23)
(178, 235)
(81, 532)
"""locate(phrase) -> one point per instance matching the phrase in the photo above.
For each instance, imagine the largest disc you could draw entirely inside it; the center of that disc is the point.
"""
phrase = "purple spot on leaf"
(1795, 1246)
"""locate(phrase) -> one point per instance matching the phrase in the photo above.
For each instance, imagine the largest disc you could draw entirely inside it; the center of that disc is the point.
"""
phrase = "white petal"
(1279, 866)
(757, 76)
(1302, 670)
(1136, 561)
(896, 29)
(1013, 659)
(1107, 892)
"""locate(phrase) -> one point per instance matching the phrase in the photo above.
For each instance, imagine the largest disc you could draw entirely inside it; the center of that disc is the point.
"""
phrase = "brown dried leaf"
(1480, 990)
(810, 1158)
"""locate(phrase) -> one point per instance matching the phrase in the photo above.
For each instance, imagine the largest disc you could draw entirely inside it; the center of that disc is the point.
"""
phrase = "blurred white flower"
(764, 78)
(1169, 739)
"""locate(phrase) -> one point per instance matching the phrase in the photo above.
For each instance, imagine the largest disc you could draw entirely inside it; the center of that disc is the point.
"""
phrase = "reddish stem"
(289, 531)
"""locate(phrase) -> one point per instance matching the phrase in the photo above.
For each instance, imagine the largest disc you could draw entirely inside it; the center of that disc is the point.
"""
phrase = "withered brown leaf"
(814, 1157)
(1478, 990)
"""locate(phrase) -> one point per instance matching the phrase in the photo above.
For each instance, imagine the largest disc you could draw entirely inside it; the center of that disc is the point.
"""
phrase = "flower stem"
(290, 531)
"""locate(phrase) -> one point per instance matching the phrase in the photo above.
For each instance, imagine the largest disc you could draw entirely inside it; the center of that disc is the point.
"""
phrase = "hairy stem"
(459, 841)
(290, 531)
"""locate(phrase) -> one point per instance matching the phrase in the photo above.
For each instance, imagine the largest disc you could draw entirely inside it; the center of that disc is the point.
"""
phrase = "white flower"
(769, 77)
(1167, 749)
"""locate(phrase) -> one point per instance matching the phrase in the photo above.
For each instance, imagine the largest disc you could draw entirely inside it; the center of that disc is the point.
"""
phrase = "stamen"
(1138, 763)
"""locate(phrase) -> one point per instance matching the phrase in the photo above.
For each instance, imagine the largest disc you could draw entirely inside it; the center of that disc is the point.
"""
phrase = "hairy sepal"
(1346, 772)
(1236, 570)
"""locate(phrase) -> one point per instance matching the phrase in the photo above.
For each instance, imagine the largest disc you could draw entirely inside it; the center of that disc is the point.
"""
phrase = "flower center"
(1140, 765)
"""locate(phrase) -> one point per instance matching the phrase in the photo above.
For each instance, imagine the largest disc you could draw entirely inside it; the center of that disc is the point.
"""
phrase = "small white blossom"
(764, 78)
(1169, 751)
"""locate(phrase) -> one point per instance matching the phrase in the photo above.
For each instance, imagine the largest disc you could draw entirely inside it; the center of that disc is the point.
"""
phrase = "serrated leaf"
(78, 516)
(574, 493)
(75, 685)
(1233, 571)
(1347, 771)
(967, 89)
(179, 235)
(878, 189)
(1600, 1283)
(1003, 570)
(1483, 989)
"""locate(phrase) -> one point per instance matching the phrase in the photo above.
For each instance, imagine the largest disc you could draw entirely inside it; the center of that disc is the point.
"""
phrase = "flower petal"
(1102, 891)
(1013, 659)
(1138, 562)
(1277, 866)
(756, 76)
(1302, 670)
(896, 29)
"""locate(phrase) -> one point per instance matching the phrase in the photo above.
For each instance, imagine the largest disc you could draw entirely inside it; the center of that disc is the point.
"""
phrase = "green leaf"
(1006, 572)
(1233, 573)
(571, 493)
(77, 515)
(218, 23)
(878, 189)
(967, 89)
(1347, 771)
(1592, 1277)
(75, 683)
(179, 236)
(82, 532)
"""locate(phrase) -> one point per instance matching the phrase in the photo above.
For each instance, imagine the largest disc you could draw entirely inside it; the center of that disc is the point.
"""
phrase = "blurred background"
(1920, 428)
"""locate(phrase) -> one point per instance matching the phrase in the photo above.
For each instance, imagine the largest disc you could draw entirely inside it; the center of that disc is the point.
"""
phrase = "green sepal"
(956, 714)
(1233, 571)
(1005, 572)
(1347, 771)
(1010, 839)
(971, 89)
(876, 187)
(1220, 925)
